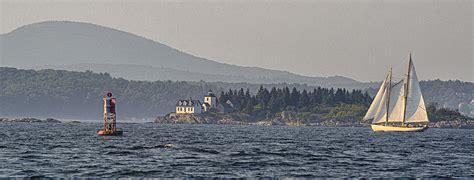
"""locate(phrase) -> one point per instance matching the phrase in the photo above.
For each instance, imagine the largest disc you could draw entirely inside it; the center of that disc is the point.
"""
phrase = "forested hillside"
(448, 93)
(66, 94)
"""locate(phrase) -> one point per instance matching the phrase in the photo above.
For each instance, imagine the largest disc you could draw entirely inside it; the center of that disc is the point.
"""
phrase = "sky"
(360, 39)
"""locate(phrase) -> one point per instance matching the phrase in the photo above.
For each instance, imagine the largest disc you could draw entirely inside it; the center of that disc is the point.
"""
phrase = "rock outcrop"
(30, 120)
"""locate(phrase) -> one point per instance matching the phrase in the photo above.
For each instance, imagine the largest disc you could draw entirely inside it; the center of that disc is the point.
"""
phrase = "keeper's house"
(189, 107)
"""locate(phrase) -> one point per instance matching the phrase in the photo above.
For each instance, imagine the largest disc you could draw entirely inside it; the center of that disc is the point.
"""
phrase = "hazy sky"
(358, 39)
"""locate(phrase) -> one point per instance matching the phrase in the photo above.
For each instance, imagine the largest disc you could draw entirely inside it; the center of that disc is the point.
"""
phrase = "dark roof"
(224, 105)
(187, 102)
(210, 94)
(232, 104)
(224, 108)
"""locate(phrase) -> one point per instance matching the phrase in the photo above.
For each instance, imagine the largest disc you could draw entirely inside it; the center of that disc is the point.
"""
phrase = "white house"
(196, 107)
(189, 107)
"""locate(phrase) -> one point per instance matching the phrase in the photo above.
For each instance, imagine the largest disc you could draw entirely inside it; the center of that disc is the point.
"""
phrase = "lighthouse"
(210, 101)
(110, 117)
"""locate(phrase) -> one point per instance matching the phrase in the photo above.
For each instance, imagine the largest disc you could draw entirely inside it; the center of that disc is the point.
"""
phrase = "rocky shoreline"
(243, 119)
(456, 124)
(30, 120)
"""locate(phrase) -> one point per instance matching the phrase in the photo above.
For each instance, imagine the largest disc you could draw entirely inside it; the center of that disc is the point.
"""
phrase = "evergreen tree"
(249, 109)
(294, 97)
(222, 98)
(303, 99)
(339, 96)
(286, 97)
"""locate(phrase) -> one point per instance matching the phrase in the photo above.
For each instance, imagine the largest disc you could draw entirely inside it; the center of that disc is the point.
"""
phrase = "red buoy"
(110, 117)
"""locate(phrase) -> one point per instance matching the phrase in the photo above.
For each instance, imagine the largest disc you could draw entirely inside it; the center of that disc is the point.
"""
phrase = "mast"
(388, 93)
(406, 91)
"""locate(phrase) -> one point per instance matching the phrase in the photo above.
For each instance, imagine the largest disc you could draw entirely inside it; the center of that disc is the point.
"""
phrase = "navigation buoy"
(110, 117)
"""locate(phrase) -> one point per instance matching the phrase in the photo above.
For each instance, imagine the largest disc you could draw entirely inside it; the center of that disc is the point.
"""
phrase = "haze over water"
(73, 150)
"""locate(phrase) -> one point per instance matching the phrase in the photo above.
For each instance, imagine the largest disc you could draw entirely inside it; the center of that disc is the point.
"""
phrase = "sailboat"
(399, 106)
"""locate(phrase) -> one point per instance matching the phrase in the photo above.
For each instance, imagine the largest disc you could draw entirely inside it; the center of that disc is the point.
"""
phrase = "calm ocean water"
(73, 150)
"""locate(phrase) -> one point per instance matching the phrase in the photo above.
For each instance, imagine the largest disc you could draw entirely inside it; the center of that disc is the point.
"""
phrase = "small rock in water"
(51, 120)
(168, 145)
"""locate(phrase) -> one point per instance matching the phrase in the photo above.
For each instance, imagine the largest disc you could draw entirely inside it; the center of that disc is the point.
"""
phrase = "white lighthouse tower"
(210, 101)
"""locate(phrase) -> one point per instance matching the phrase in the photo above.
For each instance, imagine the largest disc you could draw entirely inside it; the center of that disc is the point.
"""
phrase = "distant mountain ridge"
(81, 46)
(149, 73)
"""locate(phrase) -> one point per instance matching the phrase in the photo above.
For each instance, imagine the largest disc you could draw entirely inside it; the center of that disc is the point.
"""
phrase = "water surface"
(73, 150)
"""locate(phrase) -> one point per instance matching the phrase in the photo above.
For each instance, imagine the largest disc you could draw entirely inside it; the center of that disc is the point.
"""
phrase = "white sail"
(376, 102)
(396, 106)
(404, 100)
(400, 102)
(415, 105)
(381, 111)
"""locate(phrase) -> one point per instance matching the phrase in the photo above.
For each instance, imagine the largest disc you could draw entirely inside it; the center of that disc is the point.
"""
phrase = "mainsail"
(415, 105)
(395, 110)
(399, 102)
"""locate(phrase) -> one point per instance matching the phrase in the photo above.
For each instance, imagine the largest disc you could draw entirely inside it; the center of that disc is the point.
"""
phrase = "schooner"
(399, 106)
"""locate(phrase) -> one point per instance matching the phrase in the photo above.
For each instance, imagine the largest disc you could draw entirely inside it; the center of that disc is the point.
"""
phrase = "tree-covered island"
(282, 106)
